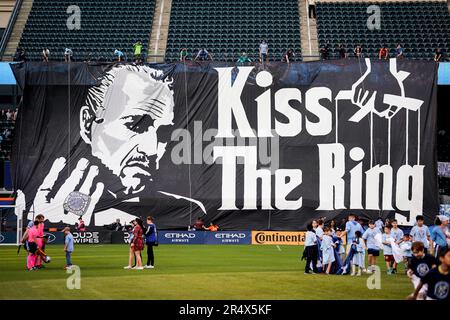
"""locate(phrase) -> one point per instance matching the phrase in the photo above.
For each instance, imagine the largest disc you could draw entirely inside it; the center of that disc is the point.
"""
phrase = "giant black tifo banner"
(251, 147)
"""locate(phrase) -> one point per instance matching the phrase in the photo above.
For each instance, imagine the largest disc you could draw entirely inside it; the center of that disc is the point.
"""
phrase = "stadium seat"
(420, 27)
(226, 27)
(105, 25)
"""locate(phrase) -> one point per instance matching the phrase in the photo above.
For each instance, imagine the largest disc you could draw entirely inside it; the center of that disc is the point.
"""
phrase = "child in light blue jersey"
(421, 233)
(359, 255)
(387, 248)
(373, 250)
(407, 252)
(327, 247)
(397, 234)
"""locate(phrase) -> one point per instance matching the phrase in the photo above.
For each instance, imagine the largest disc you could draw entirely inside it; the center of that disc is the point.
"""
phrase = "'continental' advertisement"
(278, 238)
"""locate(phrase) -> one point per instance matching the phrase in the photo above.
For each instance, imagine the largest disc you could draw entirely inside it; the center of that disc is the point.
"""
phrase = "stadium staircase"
(310, 44)
(105, 25)
(17, 30)
(227, 27)
(160, 31)
(420, 26)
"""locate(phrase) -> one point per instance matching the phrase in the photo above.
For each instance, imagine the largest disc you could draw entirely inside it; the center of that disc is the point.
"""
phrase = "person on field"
(136, 246)
(151, 240)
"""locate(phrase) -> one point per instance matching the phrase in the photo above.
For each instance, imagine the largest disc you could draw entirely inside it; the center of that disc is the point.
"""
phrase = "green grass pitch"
(197, 272)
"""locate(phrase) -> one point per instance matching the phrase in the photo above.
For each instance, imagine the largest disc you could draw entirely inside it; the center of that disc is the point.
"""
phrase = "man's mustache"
(144, 161)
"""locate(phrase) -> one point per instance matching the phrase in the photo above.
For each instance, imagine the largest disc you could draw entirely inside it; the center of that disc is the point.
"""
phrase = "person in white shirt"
(397, 234)
(68, 54)
(263, 51)
(45, 54)
(311, 250)
(319, 229)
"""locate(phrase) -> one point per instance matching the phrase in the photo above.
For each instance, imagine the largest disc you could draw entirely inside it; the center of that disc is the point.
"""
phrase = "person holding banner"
(327, 247)
(310, 252)
(387, 249)
(350, 228)
(359, 255)
(397, 235)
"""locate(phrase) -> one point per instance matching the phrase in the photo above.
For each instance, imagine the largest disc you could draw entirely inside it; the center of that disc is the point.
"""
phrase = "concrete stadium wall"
(6, 8)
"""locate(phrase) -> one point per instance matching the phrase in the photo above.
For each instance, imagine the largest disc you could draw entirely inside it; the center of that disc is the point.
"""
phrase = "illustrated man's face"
(128, 141)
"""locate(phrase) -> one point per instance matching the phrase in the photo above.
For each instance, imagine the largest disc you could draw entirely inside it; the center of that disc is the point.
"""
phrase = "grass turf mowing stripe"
(239, 272)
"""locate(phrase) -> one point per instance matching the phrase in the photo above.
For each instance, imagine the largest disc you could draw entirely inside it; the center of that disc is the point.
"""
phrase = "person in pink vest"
(40, 240)
(32, 235)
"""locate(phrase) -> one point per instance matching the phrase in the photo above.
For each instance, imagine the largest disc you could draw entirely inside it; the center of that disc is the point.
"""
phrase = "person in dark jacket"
(151, 241)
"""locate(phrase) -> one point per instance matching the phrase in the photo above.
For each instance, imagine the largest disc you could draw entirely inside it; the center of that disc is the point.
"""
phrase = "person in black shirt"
(324, 52)
(419, 266)
(151, 239)
(342, 51)
(438, 279)
(288, 55)
(437, 55)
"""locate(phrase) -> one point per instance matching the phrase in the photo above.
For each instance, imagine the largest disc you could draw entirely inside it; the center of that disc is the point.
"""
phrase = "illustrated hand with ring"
(55, 208)
(385, 105)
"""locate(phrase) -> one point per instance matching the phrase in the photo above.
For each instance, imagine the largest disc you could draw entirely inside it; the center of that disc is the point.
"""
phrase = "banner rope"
(190, 155)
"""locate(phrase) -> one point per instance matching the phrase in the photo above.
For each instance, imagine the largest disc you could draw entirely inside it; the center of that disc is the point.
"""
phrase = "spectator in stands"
(358, 51)
(324, 52)
(234, 73)
(212, 227)
(399, 51)
(9, 115)
(117, 225)
(263, 51)
(183, 54)
(437, 55)
(199, 224)
(7, 133)
(68, 53)
(21, 55)
(120, 55)
(80, 225)
(243, 58)
(383, 53)
(342, 52)
(312, 9)
(203, 55)
(288, 55)
(15, 114)
(45, 54)
(3, 115)
(137, 48)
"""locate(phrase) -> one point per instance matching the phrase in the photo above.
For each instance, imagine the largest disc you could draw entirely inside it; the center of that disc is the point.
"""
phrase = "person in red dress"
(137, 245)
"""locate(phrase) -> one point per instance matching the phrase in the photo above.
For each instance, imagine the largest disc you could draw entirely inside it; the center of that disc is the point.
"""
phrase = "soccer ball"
(47, 259)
